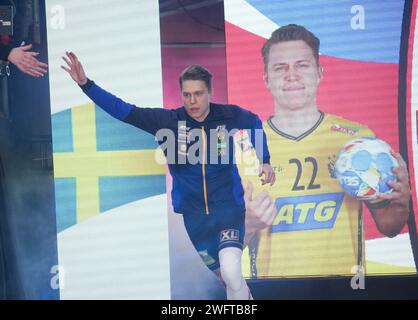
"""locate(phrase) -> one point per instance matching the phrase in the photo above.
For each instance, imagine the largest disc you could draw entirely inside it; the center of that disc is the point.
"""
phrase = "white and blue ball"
(364, 166)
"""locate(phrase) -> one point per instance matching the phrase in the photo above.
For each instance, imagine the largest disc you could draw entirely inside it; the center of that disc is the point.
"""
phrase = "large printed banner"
(111, 202)
(359, 52)
(112, 208)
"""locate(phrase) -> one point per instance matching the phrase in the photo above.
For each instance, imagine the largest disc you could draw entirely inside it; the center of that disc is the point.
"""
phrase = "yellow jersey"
(318, 229)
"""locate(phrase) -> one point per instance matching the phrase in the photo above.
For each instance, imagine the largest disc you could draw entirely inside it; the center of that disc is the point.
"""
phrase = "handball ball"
(364, 166)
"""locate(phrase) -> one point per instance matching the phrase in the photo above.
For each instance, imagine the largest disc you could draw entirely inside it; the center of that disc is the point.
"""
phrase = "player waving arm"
(148, 119)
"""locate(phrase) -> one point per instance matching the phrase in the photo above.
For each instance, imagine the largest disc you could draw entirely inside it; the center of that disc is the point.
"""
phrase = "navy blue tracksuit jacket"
(208, 185)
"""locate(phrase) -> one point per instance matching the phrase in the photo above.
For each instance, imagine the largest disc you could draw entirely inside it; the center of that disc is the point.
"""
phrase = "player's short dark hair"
(196, 72)
(291, 32)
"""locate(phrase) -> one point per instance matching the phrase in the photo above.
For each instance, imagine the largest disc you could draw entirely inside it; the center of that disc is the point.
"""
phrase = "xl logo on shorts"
(230, 234)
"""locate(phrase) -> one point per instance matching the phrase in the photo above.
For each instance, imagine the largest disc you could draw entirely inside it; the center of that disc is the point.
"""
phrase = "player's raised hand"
(74, 68)
(269, 175)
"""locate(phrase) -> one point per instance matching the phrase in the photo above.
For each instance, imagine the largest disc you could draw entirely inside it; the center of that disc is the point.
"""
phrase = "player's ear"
(266, 79)
(320, 73)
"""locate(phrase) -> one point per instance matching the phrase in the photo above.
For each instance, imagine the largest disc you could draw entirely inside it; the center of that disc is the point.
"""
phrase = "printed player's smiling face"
(292, 75)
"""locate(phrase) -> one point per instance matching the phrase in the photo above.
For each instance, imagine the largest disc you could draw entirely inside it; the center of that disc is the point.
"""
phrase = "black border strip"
(402, 105)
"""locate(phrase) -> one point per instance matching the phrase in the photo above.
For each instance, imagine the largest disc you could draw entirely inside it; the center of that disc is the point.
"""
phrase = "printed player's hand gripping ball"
(364, 166)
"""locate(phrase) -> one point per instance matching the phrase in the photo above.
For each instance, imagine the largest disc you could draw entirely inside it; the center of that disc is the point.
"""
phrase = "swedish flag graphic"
(100, 163)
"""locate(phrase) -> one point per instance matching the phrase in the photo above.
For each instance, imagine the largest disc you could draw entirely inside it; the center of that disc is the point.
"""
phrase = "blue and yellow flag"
(100, 163)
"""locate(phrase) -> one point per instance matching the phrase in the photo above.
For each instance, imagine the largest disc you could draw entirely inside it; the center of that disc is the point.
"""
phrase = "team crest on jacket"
(222, 135)
(183, 138)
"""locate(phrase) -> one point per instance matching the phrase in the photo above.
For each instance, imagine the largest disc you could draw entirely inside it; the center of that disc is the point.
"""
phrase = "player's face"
(196, 99)
(292, 75)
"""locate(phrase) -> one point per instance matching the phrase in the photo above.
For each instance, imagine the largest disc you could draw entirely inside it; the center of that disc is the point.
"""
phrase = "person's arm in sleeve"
(113, 105)
(259, 142)
(5, 51)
